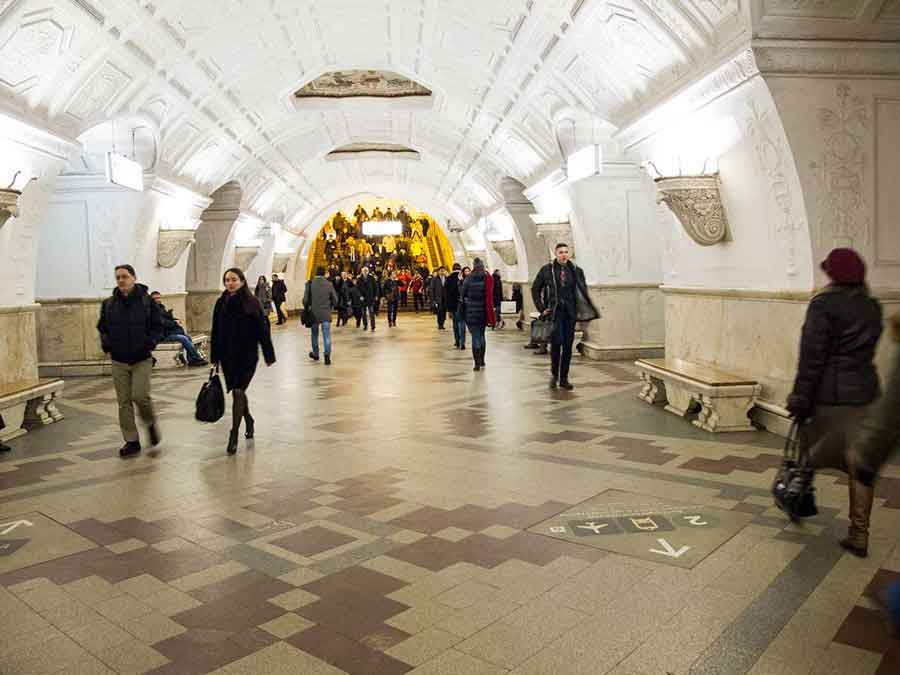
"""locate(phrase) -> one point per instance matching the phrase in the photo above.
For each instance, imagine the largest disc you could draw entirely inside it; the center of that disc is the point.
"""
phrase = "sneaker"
(314, 357)
(153, 432)
(130, 448)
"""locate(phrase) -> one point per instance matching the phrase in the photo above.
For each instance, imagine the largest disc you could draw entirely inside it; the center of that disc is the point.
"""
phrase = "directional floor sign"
(651, 528)
(33, 538)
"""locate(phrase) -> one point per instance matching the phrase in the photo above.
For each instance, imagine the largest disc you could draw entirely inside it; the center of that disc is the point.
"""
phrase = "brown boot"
(861, 499)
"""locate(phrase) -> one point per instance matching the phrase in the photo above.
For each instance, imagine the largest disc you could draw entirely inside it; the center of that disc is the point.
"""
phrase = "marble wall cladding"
(18, 345)
(632, 322)
(754, 337)
(67, 331)
(199, 307)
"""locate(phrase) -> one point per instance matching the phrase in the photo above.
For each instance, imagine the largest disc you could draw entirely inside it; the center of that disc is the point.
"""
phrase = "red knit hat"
(845, 266)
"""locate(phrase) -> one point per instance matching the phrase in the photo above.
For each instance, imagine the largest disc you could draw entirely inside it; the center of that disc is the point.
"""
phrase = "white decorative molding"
(840, 172)
(171, 245)
(9, 204)
(827, 58)
(697, 203)
(245, 255)
(506, 249)
(555, 233)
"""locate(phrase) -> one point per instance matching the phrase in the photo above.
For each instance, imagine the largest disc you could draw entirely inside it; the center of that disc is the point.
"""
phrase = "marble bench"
(169, 354)
(723, 399)
(24, 405)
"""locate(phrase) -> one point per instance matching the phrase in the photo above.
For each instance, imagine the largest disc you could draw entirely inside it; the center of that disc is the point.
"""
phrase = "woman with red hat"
(836, 378)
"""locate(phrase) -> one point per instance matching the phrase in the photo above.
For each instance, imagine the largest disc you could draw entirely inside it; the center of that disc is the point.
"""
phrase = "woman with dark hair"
(837, 380)
(459, 313)
(478, 299)
(263, 293)
(239, 329)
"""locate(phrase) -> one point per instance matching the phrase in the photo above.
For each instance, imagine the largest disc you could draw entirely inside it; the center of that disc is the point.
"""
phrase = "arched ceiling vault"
(218, 77)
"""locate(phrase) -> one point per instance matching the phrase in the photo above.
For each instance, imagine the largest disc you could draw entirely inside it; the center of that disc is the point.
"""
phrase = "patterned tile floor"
(383, 521)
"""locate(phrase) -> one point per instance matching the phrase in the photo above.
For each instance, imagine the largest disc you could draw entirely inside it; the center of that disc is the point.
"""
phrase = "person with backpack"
(836, 379)
(130, 327)
(239, 330)
(478, 299)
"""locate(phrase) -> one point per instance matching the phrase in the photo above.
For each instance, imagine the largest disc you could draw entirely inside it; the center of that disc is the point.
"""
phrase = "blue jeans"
(459, 329)
(478, 341)
(188, 344)
(392, 311)
(326, 337)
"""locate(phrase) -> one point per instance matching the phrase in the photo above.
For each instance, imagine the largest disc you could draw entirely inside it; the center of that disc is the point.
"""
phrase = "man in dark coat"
(498, 296)
(279, 297)
(452, 289)
(560, 293)
(837, 381)
(438, 301)
(130, 327)
(369, 293)
(320, 298)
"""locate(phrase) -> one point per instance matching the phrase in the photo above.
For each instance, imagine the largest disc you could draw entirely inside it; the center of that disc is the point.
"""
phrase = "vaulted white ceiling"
(217, 78)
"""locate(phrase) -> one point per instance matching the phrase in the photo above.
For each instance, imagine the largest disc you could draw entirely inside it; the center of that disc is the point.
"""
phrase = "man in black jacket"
(279, 296)
(130, 327)
(437, 286)
(560, 292)
(173, 331)
(368, 290)
(451, 298)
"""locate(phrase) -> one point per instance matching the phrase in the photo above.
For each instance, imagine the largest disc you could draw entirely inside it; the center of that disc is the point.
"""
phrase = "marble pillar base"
(68, 341)
(18, 344)
(631, 324)
(66, 369)
(199, 306)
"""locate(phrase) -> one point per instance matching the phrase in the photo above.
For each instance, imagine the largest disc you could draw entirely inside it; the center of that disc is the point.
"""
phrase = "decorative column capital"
(9, 204)
(280, 261)
(554, 233)
(506, 249)
(244, 256)
(697, 203)
(171, 245)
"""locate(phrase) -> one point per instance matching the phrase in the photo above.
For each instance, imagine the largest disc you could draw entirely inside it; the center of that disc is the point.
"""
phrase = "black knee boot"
(238, 410)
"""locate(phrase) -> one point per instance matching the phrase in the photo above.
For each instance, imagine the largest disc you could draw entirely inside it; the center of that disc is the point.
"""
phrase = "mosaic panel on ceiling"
(362, 83)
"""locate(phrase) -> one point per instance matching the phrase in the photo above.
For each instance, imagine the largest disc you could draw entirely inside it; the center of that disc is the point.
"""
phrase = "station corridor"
(398, 513)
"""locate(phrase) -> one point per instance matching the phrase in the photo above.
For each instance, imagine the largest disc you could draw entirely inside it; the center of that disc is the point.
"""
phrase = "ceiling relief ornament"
(373, 150)
(244, 256)
(506, 249)
(841, 171)
(361, 84)
(772, 152)
(171, 245)
(697, 203)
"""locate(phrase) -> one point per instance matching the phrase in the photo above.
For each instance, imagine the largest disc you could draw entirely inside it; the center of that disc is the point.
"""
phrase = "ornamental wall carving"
(697, 203)
(171, 245)
(506, 249)
(244, 256)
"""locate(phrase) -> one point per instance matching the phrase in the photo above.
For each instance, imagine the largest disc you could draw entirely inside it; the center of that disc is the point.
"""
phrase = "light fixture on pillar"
(696, 200)
(9, 200)
(171, 245)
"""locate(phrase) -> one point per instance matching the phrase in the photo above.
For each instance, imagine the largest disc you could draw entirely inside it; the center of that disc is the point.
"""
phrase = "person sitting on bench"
(174, 332)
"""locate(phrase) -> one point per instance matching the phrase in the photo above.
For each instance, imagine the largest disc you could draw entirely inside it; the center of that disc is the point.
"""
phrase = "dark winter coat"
(239, 329)
(880, 435)
(171, 326)
(437, 289)
(837, 348)
(320, 298)
(354, 295)
(452, 289)
(390, 290)
(368, 289)
(478, 295)
(279, 291)
(544, 291)
(498, 290)
(130, 326)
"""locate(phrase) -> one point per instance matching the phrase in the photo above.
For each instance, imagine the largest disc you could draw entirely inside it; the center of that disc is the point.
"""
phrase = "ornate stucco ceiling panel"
(30, 45)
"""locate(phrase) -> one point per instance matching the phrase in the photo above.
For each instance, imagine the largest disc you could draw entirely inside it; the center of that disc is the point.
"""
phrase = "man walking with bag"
(279, 297)
(560, 294)
(130, 327)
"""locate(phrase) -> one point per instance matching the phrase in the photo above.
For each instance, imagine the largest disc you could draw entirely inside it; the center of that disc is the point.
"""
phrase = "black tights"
(240, 408)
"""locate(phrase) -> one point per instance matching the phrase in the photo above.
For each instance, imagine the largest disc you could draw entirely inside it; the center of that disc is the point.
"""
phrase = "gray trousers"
(133, 389)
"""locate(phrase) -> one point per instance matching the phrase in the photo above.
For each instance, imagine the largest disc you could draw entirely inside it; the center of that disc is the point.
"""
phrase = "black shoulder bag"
(211, 399)
(793, 487)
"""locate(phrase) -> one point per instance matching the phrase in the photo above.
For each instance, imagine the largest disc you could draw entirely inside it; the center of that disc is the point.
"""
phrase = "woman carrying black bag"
(239, 329)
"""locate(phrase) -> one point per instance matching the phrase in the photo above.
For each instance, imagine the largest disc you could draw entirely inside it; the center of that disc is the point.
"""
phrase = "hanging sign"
(125, 172)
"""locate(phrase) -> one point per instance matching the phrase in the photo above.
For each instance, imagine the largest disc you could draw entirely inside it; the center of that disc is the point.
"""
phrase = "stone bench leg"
(653, 390)
(725, 414)
(42, 411)
(13, 418)
(681, 401)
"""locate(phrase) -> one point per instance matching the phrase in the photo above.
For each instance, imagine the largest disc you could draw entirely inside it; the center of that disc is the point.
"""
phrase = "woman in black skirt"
(239, 329)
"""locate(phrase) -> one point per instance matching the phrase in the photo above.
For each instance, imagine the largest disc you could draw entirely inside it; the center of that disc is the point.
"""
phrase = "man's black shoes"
(130, 449)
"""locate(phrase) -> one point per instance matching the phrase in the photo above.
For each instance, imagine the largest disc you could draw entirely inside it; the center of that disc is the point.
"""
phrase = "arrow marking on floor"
(9, 527)
(670, 551)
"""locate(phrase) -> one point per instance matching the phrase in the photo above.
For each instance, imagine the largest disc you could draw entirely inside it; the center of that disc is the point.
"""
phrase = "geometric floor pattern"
(388, 519)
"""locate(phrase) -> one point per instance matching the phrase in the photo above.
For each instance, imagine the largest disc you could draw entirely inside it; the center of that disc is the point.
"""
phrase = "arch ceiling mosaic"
(219, 77)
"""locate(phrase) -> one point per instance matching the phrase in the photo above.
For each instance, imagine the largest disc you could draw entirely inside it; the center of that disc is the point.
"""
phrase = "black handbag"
(306, 317)
(793, 487)
(211, 399)
(541, 331)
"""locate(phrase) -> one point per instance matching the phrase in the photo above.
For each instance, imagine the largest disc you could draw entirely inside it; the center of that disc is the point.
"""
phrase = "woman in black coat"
(836, 379)
(478, 299)
(239, 329)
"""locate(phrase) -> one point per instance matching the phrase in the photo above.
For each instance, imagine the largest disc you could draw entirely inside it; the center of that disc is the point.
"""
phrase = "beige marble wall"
(199, 307)
(632, 323)
(18, 345)
(68, 342)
